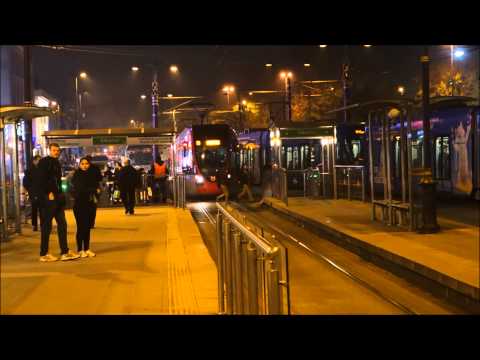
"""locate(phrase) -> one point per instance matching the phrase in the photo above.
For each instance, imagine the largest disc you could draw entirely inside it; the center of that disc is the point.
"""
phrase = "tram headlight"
(199, 179)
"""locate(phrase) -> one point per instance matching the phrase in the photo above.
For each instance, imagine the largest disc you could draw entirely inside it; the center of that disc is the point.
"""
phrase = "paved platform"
(450, 257)
(154, 262)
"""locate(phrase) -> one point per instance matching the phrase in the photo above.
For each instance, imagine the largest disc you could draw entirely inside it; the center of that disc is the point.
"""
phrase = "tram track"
(297, 239)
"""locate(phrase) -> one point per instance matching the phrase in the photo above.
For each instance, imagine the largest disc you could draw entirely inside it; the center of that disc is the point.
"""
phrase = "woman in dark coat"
(84, 187)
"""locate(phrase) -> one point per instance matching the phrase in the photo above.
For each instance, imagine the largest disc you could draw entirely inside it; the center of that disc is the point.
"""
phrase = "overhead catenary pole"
(154, 109)
(429, 211)
(28, 101)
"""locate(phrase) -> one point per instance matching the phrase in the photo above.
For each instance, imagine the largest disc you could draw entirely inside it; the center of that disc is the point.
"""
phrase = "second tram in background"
(201, 152)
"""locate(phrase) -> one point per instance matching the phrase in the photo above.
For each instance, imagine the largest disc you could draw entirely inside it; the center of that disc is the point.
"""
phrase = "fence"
(252, 272)
(350, 182)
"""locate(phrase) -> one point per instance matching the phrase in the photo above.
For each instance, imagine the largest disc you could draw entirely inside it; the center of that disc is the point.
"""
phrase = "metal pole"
(220, 265)
(76, 102)
(244, 275)
(228, 266)
(334, 163)
(273, 289)
(427, 184)
(402, 155)
(16, 182)
(28, 101)
(154, 109)
(409, 170)
(348, 183)
(261, 283)
(252, 279)
(370, 159)
(363, 184)
(304, 183)
(3, 181)
(389, 170)
(237, 273)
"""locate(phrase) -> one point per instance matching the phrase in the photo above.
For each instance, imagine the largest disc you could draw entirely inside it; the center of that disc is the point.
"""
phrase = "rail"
(252, 272)
(280, 184)
(350, 182)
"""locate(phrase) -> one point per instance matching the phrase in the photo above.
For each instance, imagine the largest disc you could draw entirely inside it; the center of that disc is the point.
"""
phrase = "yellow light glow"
(306, 65)
(174, 69)
(359, 132)
(231, 89)
(283, 74)
(135, 68)
(198, 142)
(83, 75)
(323, 46)
(289, 74)
(169, 95)
(268, 65)
(244, 102)
(250, 93)
(212, 142)
(53, 103)
(367, 46)
(143, 97)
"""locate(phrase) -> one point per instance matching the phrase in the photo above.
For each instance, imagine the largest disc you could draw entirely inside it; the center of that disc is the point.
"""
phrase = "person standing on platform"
(95, 170)
(128, 179)
(84, 190)
(222, 181)
(52, 205)
(30, 183)
(160, 177)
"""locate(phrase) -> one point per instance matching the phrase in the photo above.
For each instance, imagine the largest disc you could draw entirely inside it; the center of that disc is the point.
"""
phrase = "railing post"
(348, 183)
(228, 266)
(220, 264)
(244, 275)
(335, 183)
(273, 289)
(304, 183)
(237, 275)
(363, 183)
(252, 279)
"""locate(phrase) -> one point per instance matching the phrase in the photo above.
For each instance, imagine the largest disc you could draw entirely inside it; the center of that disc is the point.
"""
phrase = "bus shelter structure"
(12, 164)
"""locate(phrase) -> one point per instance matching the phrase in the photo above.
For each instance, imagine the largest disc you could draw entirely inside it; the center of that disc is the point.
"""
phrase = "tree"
(310, 103)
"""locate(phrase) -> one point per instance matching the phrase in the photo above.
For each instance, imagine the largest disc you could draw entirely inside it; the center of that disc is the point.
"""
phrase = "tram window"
(289, 157)
(442, 158)
(295, 158)
(417, 153)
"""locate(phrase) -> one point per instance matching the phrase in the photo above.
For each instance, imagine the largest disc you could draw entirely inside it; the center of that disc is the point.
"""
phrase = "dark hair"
(84, 158)
(53, 145)
(37, 157)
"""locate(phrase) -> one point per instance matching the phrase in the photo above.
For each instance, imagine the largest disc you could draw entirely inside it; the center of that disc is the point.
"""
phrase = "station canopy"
(111, 136)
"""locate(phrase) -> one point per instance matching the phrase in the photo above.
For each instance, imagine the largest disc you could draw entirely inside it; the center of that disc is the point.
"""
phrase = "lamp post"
(82, 75)
(286, 76)
(227, 90)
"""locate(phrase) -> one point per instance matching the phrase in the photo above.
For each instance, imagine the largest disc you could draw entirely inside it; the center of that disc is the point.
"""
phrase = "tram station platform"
(154, 263)
(450, 257)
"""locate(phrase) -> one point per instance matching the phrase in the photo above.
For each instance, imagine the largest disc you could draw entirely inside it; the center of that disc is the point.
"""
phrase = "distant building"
(40, 124)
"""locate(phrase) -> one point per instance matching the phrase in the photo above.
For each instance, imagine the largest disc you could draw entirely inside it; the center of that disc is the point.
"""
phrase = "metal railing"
(252, 272)
(179, 198)
(280, 184)
(350, 182)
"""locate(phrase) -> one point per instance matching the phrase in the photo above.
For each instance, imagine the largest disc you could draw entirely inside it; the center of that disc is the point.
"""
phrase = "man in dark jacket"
(30, 182)
(95, 171)
(128, 179)
(52, 205)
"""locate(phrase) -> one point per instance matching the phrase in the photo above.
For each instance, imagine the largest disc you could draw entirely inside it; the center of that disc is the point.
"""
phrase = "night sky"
(113, 90)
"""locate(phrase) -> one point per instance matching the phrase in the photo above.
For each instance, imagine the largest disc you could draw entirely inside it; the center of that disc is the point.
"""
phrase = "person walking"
(30, 183)
(95, 170)
(84, 190)
(52, 205)
(245, 183)
(160, 176)
(128, 179)
(222, 181)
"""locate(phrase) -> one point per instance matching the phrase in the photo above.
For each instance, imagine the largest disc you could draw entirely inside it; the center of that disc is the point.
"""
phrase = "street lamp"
(174, 69)
(401, 90)
(227, 90)
(143, 97)
(135, 68)
(82, 75)
(322, 46)
(286, 76)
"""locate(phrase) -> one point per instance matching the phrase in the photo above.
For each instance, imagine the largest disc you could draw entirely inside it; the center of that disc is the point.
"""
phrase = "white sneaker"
(90, 253)
(69, 256)
(48, 258)
(82, 254)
